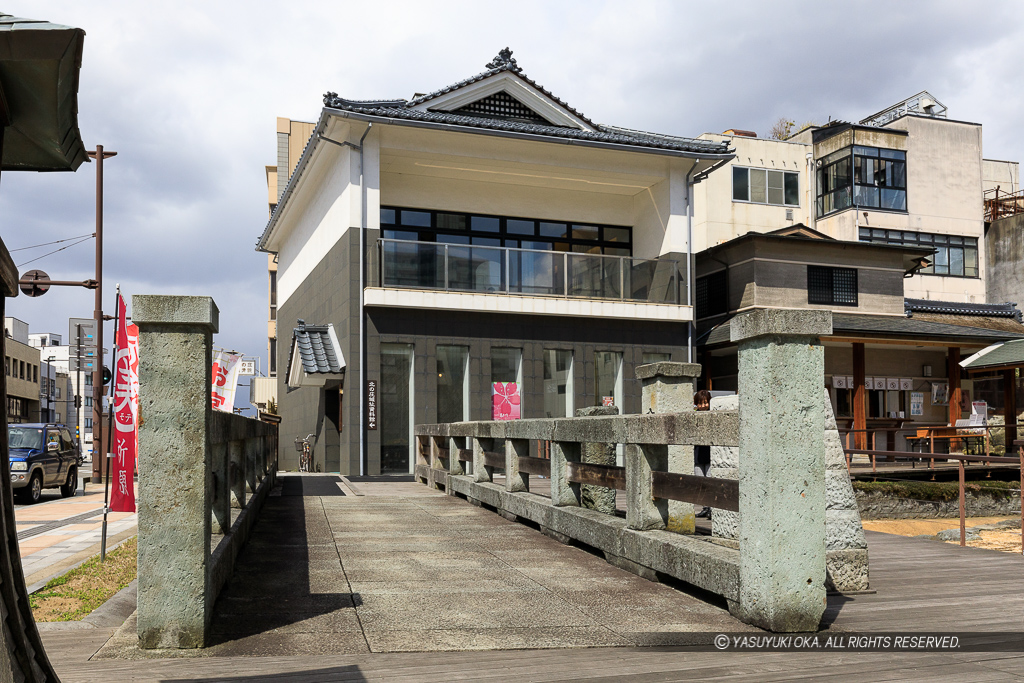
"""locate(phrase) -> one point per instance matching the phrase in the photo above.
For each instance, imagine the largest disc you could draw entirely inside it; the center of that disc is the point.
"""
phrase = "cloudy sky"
(188, 92)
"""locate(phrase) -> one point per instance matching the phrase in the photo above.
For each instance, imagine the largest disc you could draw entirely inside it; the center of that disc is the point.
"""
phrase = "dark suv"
(43, 455)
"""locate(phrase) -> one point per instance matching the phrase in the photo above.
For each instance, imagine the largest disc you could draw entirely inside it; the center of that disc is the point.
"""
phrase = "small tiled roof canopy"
(318, 354)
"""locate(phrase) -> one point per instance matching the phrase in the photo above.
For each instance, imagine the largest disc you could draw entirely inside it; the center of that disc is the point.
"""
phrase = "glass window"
(831, 286)
(387, 216)
(486, 241)
(453, 239)
(395, 409)
(451, 221)
(585, 232)
(520, 227)
(608, 375)
(616, 234)
(553, 230)
(775, 183)
(740, 184)
(401, 235)
(485, 223)
(792, 189)
(506, 383)
(758, 186)
(452, 383)
(558, 383)
(416, 218)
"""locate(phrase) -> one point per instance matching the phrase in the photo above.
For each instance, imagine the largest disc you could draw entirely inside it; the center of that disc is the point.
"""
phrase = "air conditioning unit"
(789, 214)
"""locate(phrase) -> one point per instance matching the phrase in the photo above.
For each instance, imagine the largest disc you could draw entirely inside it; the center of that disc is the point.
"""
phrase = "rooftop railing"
(504, 270)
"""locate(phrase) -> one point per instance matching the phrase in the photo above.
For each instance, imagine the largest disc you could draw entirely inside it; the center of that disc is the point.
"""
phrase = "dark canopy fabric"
(39, 67)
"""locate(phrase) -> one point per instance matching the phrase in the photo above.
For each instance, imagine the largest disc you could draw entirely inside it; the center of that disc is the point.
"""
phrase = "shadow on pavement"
(335, 673)
(288, 590)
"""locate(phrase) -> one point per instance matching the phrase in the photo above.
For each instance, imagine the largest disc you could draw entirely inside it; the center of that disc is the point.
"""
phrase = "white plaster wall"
(717, 218)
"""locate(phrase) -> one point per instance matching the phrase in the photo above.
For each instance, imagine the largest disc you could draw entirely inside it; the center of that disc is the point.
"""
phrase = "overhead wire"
(55, 251)
(46, 244)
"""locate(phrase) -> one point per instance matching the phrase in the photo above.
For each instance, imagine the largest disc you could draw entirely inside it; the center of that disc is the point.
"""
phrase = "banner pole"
(110, 425)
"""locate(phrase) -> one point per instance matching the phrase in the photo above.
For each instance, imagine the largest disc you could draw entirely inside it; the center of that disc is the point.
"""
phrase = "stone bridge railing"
(203, 474)
(773, 575)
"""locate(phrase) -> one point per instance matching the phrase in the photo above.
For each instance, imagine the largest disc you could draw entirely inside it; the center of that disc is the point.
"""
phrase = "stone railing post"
(455, 444)
(781, 467)
(668, 388)
(514, 479)
(481, 472)
(236, 473)
(563, 491)
(175, 599)
(600, 498)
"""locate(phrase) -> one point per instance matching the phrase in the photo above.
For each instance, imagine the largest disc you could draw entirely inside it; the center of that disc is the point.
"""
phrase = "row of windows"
(19, 369)
(504, 231)
(761, 186)
(954, 254)
(867, 177)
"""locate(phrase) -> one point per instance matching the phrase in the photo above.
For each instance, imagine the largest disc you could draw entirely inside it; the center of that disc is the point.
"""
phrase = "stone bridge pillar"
(175, 594)
(781, 468)
(668, 388)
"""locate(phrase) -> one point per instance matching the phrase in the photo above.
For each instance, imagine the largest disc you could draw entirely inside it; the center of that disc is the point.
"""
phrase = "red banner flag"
(126, 382)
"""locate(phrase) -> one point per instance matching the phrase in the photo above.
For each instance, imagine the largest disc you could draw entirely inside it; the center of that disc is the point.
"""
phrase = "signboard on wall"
(916, 403)
(506, 401)
(247, 367)
(371, 404)
(940, 394)
(608, 401)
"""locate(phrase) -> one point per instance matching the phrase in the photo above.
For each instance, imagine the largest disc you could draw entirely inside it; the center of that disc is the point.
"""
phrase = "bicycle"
(305, 447)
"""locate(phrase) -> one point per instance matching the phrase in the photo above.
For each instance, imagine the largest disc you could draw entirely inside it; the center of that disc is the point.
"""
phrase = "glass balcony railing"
(500, 270)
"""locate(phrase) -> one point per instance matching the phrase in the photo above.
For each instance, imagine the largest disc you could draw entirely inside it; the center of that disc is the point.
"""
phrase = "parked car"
(43, 455)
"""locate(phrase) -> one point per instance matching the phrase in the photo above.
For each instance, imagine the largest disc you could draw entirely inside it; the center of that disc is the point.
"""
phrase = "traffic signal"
(106, 375)
(77, 432)
(78, 401)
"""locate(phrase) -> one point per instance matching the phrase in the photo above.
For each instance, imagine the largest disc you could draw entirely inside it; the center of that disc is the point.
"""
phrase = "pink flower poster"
(505, 397)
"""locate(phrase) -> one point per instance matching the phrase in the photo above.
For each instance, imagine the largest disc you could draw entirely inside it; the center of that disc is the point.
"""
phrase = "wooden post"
(1021, 453)
(860, 421)
(1009, 408)
(953, 361)
(963, 509)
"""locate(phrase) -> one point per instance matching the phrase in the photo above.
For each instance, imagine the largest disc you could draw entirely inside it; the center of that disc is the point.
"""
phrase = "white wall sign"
(916, 403)
(247, 367)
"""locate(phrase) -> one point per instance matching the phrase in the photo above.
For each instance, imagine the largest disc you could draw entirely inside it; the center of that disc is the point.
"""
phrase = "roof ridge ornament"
(503, 60)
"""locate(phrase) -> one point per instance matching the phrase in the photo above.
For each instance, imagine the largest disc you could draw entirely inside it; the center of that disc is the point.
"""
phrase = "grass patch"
(74, 595)
(938, 490)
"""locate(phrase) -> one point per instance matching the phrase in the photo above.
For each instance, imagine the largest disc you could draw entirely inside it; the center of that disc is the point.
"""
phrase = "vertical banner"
(505, 401)
(126, 387)
(225, 379)
(133, 354)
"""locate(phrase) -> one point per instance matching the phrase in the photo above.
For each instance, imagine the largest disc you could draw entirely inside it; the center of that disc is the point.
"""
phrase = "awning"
(1002, 356)
(39, 66)
(315, 356)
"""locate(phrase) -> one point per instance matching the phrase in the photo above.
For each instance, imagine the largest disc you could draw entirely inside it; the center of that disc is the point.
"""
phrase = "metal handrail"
(505, 285)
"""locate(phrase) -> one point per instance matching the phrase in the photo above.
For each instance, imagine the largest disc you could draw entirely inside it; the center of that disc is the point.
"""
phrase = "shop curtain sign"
(505, 401)
(225, 380)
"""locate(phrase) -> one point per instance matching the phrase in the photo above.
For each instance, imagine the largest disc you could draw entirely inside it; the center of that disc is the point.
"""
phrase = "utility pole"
(97, 377)
(78, 388)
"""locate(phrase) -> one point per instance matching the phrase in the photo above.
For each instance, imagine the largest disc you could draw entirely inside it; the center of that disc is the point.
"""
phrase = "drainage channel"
(51, 524)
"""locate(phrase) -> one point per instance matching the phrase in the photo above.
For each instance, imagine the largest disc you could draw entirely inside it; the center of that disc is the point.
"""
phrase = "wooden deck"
(921, 585)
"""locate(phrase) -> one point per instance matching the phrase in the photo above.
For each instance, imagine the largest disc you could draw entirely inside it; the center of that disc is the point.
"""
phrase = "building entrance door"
(395, 409)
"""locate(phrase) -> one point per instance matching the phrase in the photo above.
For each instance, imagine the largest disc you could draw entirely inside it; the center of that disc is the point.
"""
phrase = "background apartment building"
(21, 365)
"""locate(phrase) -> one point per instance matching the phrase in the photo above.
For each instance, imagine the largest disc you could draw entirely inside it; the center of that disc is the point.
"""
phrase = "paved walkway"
(58, 533)
(342, 587)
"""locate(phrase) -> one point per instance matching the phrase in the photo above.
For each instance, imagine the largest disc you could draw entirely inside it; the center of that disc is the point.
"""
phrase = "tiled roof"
(1007, 310)
(405, 110)
(316, 349)
(606, 134)
(883, 326)
(997, 355)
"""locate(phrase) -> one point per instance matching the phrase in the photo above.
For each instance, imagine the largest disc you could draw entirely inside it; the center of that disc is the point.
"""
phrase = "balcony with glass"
(529, 272)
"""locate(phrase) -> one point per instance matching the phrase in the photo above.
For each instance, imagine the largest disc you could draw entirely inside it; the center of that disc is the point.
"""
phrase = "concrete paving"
(402, 568)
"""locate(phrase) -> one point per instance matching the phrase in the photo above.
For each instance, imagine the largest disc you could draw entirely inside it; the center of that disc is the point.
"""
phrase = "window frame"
(766, 202)
(851, 156)
(607, 242)
(830, 298)
(967, 245)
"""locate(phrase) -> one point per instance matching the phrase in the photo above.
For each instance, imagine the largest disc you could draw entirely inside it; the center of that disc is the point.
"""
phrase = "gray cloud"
(187, 94)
